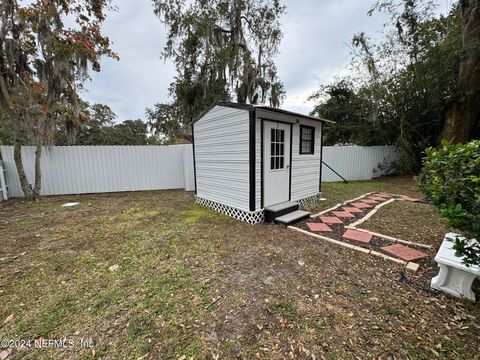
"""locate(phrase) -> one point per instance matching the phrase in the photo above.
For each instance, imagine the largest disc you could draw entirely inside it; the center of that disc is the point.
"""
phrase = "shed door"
(276, 162)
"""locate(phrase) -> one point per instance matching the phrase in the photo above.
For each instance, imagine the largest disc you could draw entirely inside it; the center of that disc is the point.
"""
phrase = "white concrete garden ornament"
(454, 277)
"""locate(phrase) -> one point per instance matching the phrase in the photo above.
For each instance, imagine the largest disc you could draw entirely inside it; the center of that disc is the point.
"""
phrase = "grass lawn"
(153, 275)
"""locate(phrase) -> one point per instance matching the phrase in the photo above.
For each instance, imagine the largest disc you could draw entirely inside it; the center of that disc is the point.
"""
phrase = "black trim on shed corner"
(252, 158)
(290, 169)
(194, 163)
(262, 131)
(321, 158)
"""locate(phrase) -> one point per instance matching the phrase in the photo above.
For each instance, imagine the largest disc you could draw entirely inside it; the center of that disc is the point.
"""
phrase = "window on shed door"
(307, 138)
(277, 149)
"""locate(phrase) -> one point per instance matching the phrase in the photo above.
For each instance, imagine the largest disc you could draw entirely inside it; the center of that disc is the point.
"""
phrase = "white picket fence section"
(100, 169)
(358, 162)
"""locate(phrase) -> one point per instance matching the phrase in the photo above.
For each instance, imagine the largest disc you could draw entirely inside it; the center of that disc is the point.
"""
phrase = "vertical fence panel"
(357, 162)
(97, 169)
(3, 183)
(188, 168)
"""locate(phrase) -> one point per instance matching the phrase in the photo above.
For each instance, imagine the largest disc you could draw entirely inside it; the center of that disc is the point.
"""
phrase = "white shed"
(257, 163)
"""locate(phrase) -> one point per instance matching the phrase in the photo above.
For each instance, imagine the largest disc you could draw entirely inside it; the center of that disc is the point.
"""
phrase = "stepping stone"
(404, 252)
(343, 214)
(352, 210)
(369, 201)
(362, 205)
(357, 236)
(331, 220)
(318, 227)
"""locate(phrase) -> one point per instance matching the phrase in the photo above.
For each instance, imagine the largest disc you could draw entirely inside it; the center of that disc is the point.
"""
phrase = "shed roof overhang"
(250, 107)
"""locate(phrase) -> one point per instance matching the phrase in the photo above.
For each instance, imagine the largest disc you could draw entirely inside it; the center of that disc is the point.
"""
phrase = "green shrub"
(450, 179)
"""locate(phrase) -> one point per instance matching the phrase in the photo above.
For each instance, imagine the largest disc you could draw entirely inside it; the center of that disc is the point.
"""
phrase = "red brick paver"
(361, 205)
(352, 209)
(404, 252)
(369, 201)
(358, 236)
(343, 214)
(331, 220)
(318, 227)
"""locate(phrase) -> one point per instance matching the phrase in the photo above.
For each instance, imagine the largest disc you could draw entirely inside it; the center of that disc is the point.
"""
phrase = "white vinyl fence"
(357, 162)
(99, 169)
(3, 182)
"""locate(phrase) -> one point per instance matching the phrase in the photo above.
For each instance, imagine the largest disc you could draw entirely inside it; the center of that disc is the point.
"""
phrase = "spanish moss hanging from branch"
(222, 50)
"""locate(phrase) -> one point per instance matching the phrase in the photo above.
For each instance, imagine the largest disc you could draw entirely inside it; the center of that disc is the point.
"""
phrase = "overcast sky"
(313, 51)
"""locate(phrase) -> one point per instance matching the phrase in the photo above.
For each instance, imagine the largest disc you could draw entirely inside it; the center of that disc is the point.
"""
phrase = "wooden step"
(292, 217)
(274, 211)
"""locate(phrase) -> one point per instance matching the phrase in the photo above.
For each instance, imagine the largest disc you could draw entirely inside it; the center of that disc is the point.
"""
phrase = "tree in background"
(132, 132)
(101, 129)
(95, 131)
(221, 49)
(351, 109)
(4, 131)
(462, 118)
(42, 66)
(162, 121)
(403, 83)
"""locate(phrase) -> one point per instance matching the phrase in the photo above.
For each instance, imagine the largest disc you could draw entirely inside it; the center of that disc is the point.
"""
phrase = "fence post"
(3, 183)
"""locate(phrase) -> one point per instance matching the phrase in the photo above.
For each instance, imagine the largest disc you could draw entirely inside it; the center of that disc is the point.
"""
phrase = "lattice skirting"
(308, 200)
(243, 215)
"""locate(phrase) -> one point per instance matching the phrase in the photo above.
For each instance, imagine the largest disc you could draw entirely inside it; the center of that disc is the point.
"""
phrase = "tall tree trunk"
(38, 170)
(462, 118)
(17, 156)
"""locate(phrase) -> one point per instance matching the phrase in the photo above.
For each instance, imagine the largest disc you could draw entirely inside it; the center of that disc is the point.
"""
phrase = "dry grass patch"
(417, 222)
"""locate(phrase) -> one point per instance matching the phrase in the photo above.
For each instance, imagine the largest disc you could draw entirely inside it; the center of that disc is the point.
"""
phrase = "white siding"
(98, 169)
(221, 139)
(258, 164)
(305, 167)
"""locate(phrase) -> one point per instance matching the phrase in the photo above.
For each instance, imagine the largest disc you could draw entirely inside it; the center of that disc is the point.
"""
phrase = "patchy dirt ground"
(152, 275)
